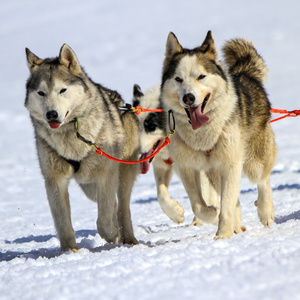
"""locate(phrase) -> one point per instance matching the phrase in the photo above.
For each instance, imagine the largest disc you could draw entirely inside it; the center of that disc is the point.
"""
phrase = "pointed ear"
(137, 91)
(32, 59)
(137, 94)
(68, 58)
(208, 46)
(172, 45)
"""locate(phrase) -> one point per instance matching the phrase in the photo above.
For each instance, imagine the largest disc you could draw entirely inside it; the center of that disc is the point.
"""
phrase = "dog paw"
(225, 230)
(266, 219)
(266, 214)
(108, 231)
(129, 240)
(240, 229)
(174, 211)
(73, 249)
(223, 235)
(210, 214)
(68, 245)
(110, 238)
(196, 222)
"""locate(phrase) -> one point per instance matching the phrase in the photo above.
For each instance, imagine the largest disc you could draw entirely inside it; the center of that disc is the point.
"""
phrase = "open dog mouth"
(196, 115)
(145, 166)
(53, 121)
(54, 124)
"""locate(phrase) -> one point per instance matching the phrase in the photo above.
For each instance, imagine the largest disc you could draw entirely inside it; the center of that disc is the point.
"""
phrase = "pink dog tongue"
(145, 166)
(197, 117)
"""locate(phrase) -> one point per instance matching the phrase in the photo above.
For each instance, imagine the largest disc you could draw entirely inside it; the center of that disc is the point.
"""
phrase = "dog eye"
(201, 77)
(41, 93)
(62, 91)
(178, 79)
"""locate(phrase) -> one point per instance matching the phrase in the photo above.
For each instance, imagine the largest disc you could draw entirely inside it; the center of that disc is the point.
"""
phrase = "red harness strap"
(100, 152)
(138, 110)
(292, 113)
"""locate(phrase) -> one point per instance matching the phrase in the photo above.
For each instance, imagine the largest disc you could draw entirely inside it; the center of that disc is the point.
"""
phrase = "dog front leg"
(208, 190)
(191, 181)
(58, 198)
(209, 193)
(163, 175)
(230, 189)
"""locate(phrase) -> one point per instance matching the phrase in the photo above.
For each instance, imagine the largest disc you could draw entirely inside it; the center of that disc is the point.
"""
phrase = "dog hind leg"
(191, 181)
(128, 174)
(209, 193)
(264, 203)
(107, 223)
(261, 158)
(238, 227)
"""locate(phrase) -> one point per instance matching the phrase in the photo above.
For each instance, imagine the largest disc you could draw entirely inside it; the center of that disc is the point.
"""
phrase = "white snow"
(121, 43)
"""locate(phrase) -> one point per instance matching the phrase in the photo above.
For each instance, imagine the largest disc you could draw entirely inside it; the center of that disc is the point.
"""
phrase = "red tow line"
(138, 110)
(129, 162)
(292, 113)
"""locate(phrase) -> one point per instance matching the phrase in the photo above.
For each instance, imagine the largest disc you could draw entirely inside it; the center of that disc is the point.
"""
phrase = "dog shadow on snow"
(292, 216)
(87, 242)
(87, 236)
(40, 252)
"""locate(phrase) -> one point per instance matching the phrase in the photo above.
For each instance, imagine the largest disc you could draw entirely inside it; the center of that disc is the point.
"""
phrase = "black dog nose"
(52, 115)
(188, 99)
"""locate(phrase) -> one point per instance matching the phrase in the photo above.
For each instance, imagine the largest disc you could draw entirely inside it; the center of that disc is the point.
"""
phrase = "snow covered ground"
(121, 43)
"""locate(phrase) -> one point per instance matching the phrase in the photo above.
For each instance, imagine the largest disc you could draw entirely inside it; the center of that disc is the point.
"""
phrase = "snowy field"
(121, 43)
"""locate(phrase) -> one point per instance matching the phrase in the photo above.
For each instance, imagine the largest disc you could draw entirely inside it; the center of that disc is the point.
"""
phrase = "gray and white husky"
(222, 118)
(59, 95)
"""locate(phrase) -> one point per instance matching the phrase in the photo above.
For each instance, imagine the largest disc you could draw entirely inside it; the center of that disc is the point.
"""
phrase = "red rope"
(165, 143)
(138, 110)
(292, 113)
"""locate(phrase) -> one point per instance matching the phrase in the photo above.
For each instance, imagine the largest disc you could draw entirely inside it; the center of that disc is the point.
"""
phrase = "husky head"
(55, 87)
(192, 79)
(151, 124)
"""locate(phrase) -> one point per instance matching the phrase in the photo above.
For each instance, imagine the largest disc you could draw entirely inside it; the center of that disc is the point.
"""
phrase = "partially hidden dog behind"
(60, 95)
(153, 131)
(222, 115)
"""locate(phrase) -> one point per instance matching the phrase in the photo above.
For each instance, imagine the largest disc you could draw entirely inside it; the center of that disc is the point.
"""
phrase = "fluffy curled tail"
(241, 57)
